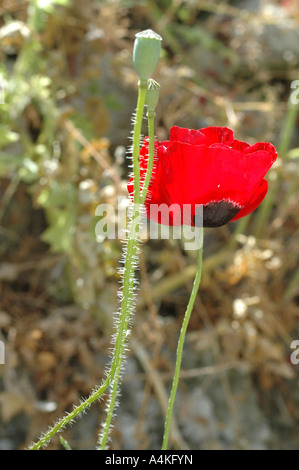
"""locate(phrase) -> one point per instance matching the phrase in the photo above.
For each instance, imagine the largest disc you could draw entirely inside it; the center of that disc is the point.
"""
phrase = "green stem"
(126, 307)
(180, 348)
(129, 270)
(70, 416)
(124, 317)
(151, 152)
(142, 88)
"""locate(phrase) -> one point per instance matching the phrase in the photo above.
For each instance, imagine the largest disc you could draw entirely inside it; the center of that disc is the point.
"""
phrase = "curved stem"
(127, 296)
(72, 415)
(124, 317)
(180, 348)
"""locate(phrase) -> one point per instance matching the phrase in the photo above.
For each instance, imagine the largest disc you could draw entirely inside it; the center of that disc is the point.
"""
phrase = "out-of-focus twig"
(9, 193)
(284, 144)
(174, 281)
(196, 372)
(77, 134)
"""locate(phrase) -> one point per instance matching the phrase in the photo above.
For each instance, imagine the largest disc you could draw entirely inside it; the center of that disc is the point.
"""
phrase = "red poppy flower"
(207, 167)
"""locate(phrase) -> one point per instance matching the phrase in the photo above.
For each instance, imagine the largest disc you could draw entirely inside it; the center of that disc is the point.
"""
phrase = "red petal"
(265, 146)
(199, 174)
(206, 166)
(190, 136)
(239, 145)
(255, 201)
(221, 135)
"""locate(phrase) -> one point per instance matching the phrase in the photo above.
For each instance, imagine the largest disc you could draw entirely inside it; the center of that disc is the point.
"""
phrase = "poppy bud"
(146, 53)
(152, 95)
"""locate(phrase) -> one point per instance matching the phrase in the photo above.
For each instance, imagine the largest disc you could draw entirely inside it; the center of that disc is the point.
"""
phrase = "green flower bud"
(152, 95)
(146, 53)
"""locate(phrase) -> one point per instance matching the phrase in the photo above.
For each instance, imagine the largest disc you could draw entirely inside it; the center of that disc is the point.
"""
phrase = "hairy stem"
(142, 88)
(72, 415)
(127, 294)
(151, 152)
(180, 348)
(127, 297)
(124, 318)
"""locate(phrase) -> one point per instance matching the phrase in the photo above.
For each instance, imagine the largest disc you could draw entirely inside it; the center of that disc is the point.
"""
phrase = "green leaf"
(58, 196)
(7, 136)
(294, 153)
(49, 5)
(82, 122)
(64, 443)
(60, 234)
(29, 170)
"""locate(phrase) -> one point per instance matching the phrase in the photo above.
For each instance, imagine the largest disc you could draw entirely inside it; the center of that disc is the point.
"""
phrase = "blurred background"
(68, 90)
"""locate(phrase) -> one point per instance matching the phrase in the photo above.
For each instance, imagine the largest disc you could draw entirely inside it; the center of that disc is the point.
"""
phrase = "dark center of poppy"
(218, 213)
